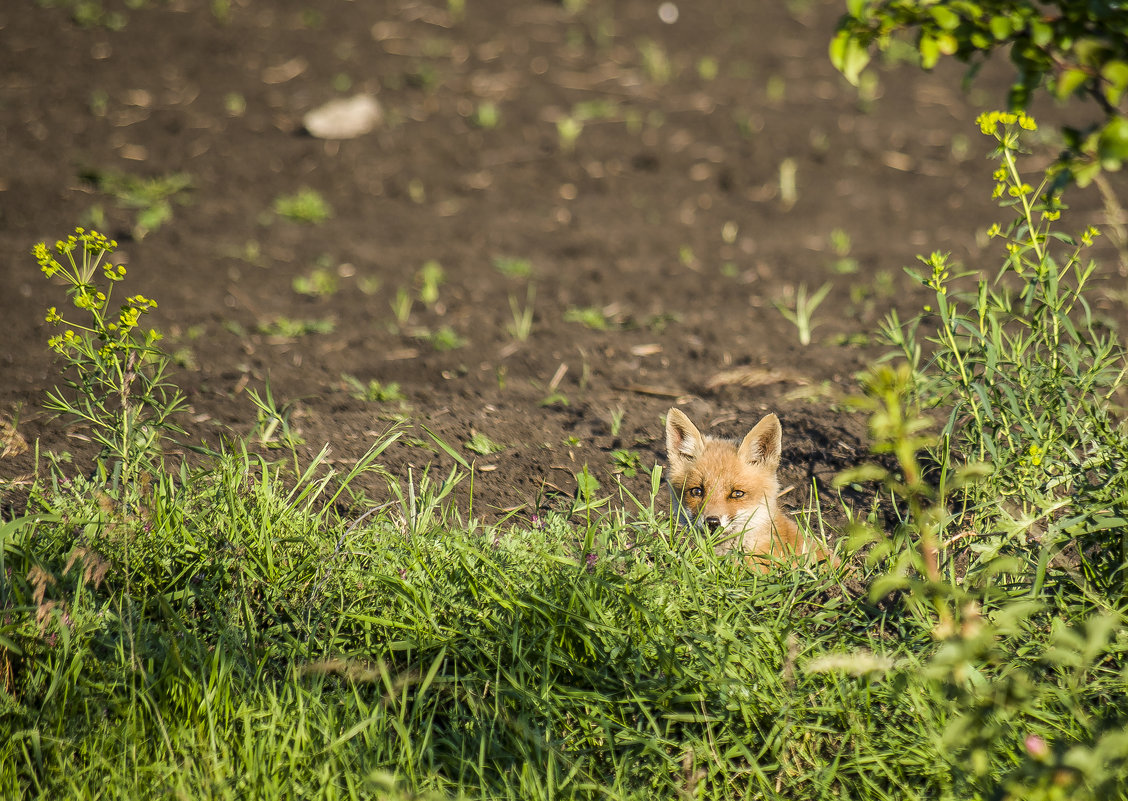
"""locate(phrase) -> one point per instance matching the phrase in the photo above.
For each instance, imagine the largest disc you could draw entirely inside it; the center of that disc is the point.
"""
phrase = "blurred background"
(531, 227)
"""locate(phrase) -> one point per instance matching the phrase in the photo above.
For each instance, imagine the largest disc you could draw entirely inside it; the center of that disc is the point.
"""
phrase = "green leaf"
(948, 44)
(860, 474)
(848, 56)
(1084, 173)
(1069, 82)
(1001, 27)
(1112, 145)
(451, 452)
(1041, 33)
(1116, 73)
(883, 585)
(946, 18)
(929, 51)
(971, 473)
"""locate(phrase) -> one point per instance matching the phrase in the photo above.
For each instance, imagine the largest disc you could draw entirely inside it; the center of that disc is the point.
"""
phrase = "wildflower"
(990, 121)
(128, 318)
(1036, 746)
(53, 316)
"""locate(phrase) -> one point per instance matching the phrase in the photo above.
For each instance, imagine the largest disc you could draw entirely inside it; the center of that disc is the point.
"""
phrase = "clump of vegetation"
(374, 391)
(294, 328)
(304, 206)
(93, 13)
(514, 268)
(320, 282)
(482, 445)
(151, 197)
(597, 318)
(625, 462)
(430, 278)
(113, 370)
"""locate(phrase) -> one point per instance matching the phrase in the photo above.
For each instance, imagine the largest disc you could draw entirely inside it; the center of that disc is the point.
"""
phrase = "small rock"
(345, 118)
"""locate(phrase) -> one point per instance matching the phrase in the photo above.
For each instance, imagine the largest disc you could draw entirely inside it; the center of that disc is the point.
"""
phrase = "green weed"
(320, 282)
(803, 313)
(593, 317)
(304, 206)
(293, 328)
(1027, 375)
(616, 420)
(486, 116)
(401, 306)
(445, 338)
(514, 268)
(93, 13)
(841, 244)
(151, 197)
(430, 278)
(374, 391)
(522, 324)
(625, 462)
(568, 130)
(481, 444)
(114, 371)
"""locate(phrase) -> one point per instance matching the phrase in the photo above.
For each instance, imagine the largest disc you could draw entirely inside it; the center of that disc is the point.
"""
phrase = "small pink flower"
(1036, 746)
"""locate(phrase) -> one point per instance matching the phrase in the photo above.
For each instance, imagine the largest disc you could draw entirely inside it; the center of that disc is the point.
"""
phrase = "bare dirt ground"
(719, 166)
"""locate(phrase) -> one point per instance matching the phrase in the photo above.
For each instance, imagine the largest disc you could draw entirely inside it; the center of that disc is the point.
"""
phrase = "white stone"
(344, 118)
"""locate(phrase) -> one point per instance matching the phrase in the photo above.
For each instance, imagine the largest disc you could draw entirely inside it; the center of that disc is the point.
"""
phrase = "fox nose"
(713, 523)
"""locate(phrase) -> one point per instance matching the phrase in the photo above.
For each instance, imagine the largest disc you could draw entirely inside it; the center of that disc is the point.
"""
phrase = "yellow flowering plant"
(113, 369)
(1025, 374)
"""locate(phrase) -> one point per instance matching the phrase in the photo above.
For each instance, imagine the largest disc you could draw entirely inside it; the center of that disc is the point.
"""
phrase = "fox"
(733, 488)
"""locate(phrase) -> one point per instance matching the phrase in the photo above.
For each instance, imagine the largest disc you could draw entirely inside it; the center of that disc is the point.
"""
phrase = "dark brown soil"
(667, 215)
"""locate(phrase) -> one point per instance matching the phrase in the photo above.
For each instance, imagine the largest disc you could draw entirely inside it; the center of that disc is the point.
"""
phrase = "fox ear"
(683, 440)
(763, 443)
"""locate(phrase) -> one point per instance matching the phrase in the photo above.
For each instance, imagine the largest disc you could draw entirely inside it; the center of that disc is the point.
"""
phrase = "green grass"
(255, 628)
(246, 631)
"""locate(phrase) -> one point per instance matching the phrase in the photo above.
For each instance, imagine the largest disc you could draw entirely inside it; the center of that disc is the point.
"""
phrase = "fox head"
(721, 484)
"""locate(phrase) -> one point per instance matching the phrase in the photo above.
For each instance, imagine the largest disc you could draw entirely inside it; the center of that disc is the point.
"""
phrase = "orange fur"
(733, 487)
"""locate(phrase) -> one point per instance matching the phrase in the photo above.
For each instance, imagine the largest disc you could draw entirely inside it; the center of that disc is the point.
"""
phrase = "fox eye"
(736, 494)
(697, 492)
